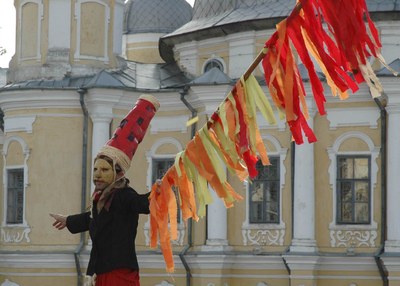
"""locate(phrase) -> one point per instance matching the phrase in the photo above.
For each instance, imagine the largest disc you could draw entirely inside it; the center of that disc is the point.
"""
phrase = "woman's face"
(103, 174)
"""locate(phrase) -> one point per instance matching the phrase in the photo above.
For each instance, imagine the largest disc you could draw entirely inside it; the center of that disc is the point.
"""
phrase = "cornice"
(37, 260)
(33, 99)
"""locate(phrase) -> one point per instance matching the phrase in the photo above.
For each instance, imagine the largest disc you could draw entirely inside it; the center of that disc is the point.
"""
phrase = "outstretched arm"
(60, 221)
(75, 223)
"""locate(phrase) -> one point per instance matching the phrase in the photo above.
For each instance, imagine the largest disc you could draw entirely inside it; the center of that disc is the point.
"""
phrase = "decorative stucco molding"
(353, 238)
(263, 237)
(15, 234)
(20, 123)
(341, 117)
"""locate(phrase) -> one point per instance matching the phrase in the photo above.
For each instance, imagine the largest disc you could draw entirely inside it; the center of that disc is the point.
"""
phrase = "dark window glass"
(213, 64)
(15, 196)
(265, 193)
(353, 190)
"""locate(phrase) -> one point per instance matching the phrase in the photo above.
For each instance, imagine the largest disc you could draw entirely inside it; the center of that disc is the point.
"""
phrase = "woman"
(113, 219)
(112, 224)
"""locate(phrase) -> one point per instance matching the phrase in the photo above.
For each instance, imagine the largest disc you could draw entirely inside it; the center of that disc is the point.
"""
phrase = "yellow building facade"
(323, 214)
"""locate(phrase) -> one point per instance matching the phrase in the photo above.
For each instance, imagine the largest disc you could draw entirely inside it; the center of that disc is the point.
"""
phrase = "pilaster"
(304, 197)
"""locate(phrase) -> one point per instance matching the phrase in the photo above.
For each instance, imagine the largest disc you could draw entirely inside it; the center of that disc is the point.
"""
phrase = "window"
(213, 63)
(353, 189)
(15, 196)
(264, 193)
(160, 167)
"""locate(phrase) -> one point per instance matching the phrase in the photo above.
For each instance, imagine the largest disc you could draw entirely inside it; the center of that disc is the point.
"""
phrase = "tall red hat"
(123, 144)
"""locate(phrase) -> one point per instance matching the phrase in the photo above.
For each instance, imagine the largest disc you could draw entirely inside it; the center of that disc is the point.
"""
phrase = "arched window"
(264, 193)
(14, 227)
(263, 224)
(353, 176)
(213, 63)
(15, 180)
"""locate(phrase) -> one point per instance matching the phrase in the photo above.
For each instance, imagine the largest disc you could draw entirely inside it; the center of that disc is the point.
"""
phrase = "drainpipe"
(292, 170)
(183, 93)
(381, 103)
(79, 248)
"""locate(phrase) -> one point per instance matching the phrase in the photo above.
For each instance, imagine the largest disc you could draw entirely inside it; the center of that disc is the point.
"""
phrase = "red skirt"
(120, 277)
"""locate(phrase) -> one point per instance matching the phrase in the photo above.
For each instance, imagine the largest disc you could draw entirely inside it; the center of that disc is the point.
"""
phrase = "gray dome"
(155, 16)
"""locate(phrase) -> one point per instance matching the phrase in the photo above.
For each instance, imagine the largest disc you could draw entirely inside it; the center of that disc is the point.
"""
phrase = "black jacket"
(112, 232)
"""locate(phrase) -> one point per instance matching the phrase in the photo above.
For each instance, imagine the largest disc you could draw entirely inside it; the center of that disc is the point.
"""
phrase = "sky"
(7, 30)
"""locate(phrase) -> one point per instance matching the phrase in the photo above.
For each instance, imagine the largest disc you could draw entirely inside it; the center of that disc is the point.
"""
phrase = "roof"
(220, 17)
(213, 76)
(395, 65)
(155, 16)
(134, 76)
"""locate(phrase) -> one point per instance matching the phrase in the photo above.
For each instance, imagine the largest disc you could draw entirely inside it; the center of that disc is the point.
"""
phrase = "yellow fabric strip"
(255, 91)
(222, 116)
(202, 192)
(227, 144)
(232, 158)
(176, 163)
(248, 116)
(255, 138)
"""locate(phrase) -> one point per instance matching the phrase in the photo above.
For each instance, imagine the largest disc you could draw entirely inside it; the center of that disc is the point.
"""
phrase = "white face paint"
(103, 174)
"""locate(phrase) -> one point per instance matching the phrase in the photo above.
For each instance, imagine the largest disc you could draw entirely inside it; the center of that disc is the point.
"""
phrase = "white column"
(101, 133)
(392, 243)
(101, 118)
(217, 222)
(304, 197)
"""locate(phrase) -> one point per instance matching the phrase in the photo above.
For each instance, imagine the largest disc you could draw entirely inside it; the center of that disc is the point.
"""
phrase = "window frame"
(154, 178)
(220, 63)
(15, 204)
(26, 154)
(272, 234)
(339, 201)
(265, 202)
(348, 235)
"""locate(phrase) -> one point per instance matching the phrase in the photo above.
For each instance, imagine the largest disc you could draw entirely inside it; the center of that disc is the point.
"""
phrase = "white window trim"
(214, 58)
(342, 234)
(265, 227)
(15, 233)
(150, 155)
(26, 152)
